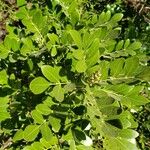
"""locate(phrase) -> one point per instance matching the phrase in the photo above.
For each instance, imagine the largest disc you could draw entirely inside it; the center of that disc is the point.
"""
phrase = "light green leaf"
(50, 73)
(31, 132)
(78, 54)
(45, 143)
(102, 17)
(94, 48)
(53, 51)
(3, 51)
(134, 46)
(38, 118)
(58, 93)
(55, 123)
(3, 108)
(128, 134)
(69, 87)
(116, 66)
(4, 115)
(53, 38)
(3, 77)
(134, 100)
(43, 109)
(46, 132)
(144, 73)
(37, 145)
(119, 45)
(107, 16)
(39, 85)
(117, 17)
(38, 19)
(15, 45)
(131, 66)
(21, 13)
(127, 43)
(20, 2)
(118, 144)
(81, 66)
(76, 37)
(18, 135)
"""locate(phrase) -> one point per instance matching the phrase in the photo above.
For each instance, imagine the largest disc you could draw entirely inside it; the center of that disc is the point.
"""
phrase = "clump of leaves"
(66, 82)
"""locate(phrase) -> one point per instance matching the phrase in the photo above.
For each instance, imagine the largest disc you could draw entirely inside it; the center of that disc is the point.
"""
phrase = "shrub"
(66, 81)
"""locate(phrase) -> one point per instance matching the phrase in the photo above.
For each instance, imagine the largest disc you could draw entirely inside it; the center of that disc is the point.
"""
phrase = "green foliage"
(67, 81)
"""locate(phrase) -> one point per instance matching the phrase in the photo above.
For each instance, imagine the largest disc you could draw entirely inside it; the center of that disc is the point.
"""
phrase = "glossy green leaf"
(39, 85)
(31, 132)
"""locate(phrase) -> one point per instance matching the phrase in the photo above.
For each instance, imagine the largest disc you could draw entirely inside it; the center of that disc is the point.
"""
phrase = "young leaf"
(50, 73)
(39, 85)
(31, 132)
